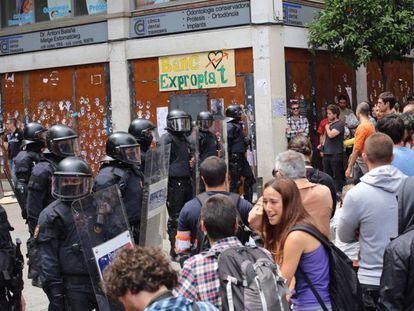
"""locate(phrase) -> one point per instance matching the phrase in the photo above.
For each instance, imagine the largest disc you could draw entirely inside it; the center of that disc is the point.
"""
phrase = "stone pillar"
(361, 85)
(118, 28)
(270, 84)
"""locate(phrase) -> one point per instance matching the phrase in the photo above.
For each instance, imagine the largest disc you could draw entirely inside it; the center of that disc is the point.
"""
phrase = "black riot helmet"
(123, 147)
(144, 132)
(205, 120)
(34, 134)
(178, 121)
(234, 112)
(62, 141)
(72, 179)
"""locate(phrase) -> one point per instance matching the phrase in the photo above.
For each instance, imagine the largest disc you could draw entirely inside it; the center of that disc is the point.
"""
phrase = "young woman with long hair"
(297, 252)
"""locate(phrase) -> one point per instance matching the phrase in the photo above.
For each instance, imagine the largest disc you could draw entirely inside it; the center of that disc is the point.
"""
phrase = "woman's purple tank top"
(316, 266)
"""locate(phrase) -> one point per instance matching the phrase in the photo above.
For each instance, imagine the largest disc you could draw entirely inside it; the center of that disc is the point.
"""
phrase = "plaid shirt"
(295, 125)
(200, 279)
(178, 303)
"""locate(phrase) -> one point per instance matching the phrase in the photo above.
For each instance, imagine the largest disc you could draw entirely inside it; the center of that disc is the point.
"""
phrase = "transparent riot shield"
(103, 229)
(154, 202)
(219, 129)
(195, 153)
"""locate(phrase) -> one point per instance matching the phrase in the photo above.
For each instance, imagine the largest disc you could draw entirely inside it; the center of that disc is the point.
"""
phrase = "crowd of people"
(277, 253)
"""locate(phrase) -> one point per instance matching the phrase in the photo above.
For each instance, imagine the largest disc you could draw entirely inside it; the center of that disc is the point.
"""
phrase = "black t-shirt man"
(335, 145)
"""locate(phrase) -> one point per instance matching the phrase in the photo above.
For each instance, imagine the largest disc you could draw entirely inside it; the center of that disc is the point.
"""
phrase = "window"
(20, 12)
(49, 10)
(91, 7)
(17, 12)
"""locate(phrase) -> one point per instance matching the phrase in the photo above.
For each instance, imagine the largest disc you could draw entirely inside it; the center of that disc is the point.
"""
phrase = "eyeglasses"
(295, 108)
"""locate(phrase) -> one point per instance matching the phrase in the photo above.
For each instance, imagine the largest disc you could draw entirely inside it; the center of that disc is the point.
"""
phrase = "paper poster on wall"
(162, 120)
(278, 108)
(105, 252)
(197, 71)
(217, 107)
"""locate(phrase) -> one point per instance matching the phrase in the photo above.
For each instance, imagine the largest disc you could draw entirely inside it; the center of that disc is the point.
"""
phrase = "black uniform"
(11, 265)
(207, 144)
(180, 189)
(39, 189)
(238, 165)
(64, 273)
(130, 181)
(23, 165)
(39, 196)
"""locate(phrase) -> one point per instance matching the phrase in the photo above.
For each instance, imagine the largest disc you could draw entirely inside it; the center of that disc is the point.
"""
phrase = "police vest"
(24, 163)
(56, 222)
(207, 145)
(129, 181)
(179, 156)
(235, 138)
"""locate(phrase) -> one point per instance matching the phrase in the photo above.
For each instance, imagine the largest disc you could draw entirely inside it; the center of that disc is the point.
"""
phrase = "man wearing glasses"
(296, 124)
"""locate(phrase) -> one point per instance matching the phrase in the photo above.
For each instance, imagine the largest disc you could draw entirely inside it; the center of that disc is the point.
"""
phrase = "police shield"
(153, 212)
(103, 229)
(219, 129)
(194, 141)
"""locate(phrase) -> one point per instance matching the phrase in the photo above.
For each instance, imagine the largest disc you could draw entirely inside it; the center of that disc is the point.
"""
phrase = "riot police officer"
(208, 144)
(237, 146)
(32, 148)
(61, 142)
(179, 176)
(124, 170)
(63, 270)
(145, 133)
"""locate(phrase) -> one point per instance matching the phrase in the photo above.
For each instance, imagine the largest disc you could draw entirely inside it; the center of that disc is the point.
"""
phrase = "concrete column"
(270, 84)
(118, 28)
(361, 84)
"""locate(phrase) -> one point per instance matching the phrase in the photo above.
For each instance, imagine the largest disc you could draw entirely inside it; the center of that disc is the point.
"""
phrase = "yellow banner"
(197, 71)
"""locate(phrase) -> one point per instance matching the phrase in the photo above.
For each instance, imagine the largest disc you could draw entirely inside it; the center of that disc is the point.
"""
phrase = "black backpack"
(249, 280)
(243, 234)
(344, 287)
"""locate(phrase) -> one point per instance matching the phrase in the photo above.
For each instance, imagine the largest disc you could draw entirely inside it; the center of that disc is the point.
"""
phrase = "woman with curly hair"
(297, 252)
(141, 278)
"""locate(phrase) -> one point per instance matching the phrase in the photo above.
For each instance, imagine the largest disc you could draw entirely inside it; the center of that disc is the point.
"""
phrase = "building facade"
(97, 64)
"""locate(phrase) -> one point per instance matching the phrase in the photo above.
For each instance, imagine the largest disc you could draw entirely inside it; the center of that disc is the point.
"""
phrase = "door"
(191, 103)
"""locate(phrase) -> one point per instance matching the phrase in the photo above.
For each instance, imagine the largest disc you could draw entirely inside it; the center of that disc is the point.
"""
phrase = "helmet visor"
(181, 125)
(67, 147)
(131, 154)
(71, 187)
(41, 135)
(205, 124)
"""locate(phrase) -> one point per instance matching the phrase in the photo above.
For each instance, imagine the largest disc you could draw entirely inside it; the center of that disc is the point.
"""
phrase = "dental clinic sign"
(197, 71)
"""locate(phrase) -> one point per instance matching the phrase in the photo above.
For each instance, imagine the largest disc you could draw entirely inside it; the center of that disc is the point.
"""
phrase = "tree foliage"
(360, 31)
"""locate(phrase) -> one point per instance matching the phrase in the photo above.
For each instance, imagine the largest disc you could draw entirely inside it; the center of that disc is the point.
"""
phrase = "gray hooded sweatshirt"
(372, 207)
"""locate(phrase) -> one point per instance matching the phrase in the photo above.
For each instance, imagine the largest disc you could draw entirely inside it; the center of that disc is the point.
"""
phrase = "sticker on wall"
(217, 107)
(161, 120)
(96, 79)
(54, 78)
(97, 102)
(9, 77)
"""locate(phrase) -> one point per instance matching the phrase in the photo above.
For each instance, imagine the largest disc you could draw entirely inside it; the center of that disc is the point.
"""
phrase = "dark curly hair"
(138, 269)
